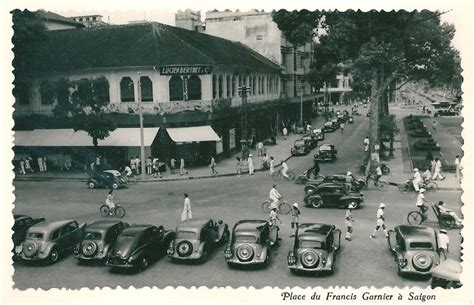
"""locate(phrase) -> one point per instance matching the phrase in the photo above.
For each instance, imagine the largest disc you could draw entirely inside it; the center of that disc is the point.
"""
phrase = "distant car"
(21, 226)
(314, 248)
(335, 178)
(446, 112)
(196, 238)
(98, 239)
(299, 148)
(329, 127)
(415, 249)
(310, 141)
(48, 241)
(138, 245)
(327, 152)
(251, 244)
(106, 179)
(318, 134)
(333, 195)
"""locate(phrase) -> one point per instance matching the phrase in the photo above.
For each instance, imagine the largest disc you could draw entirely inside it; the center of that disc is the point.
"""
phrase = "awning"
(193, 134)
(68, 137)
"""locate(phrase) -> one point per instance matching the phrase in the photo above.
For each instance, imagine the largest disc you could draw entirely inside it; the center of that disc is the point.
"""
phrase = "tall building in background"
(90, 21)
(189, 20)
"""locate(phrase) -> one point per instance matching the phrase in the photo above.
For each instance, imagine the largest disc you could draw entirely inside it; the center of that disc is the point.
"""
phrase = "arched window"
(214, 84)
(228, 85)
(127, 91)
(221, 90)
(194, 88)
(234, 87)
(147, 89)
(176, 88)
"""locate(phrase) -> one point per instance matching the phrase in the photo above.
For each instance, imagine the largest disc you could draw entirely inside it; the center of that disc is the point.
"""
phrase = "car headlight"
(130, 259)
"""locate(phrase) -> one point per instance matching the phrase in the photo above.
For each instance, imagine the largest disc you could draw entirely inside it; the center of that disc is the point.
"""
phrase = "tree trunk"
(374, 130)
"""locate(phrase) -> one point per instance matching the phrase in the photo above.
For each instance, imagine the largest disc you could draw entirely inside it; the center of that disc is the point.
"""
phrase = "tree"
(379, 47)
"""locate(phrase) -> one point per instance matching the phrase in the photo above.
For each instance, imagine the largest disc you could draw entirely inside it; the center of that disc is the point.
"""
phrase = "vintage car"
(329, 127)
(314, 248)
(196, 238)
(110, 179)
(359, 183)
(318, 134)
(251, 244)
(48, 241)
(98, 239)
(447, 275)
(415, 249)
(310, 141)
(326, 152)
(299, 148)
(336, 123)
(332, 195)
(138, 245)
(21, 226)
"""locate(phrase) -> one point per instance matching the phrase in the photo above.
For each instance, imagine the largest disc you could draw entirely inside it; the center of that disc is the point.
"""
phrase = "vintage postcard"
(284, 153)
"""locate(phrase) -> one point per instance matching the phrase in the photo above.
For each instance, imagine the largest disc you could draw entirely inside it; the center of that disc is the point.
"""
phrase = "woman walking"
(348, 220)
(187, 209)
(295, 218)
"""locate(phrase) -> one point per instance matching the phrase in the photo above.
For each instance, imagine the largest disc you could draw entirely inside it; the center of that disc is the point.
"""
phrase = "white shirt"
(417, 177)
(274, 194)
(187, 204)
(438, 165)
(273, 216)
(457, 162)
(128, 171)
(284, 166)
(420, 199)
(380, 213)
(366, 141)
(443, 240)
(250, 161)
(378, 171)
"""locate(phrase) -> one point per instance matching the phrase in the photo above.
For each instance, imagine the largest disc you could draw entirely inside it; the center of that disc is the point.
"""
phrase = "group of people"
(25, 165)
(153, 167)
(267, 163)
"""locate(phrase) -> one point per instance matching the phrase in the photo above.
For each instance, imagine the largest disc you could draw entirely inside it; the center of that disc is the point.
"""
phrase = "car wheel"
(316, 202)
(447, 222)
(245, 253)
(53, 256)
(266, 207)
(89, 248)
(91, 185)
(355, 203)
(104, 210)
(422, 262)
(184, 248)
(115, 185)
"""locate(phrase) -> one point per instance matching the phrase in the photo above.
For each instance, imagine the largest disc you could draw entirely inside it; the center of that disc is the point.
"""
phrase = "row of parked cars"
(123, 246)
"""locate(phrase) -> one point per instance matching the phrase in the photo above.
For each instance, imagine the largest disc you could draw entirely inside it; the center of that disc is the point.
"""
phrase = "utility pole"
(243, 92)
(142, 141)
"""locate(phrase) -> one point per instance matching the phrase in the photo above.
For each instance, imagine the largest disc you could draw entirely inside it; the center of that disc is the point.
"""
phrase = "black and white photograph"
(263, 146)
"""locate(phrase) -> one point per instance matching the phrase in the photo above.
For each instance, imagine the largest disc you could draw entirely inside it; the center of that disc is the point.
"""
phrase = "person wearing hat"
(416, 179)
(380, 221)
(348, 220)
(421, 202)
(274, 196)
(443, 243)
(443, 210)
(350, 180)
(295, 218)
(250, 164)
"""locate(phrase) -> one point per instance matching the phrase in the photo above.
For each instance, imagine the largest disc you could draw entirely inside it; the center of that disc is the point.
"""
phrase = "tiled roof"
(150, 44)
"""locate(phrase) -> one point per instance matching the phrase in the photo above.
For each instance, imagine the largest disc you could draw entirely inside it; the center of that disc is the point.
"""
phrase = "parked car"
(415, 249)
(332, 195)
(48, 241)
(98, 239)
(336, 123)
(329, 127)
(327, 152)
(314, 248)
(106, 179)
(299, 148)
(318, 134)
(310, 141)
(447, 275)
(358, 184)
(138, 245)
(251, 244)
(21, 226)
(195, 238)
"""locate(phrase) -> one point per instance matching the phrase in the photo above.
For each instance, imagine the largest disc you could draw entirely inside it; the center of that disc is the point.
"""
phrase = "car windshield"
(326, 148)
(328, 124)
(421, 245)
(245, 239)
(93, 236)
(185, 235)
(311, 244)
(124, 239)
(35, 235)
(299, 143)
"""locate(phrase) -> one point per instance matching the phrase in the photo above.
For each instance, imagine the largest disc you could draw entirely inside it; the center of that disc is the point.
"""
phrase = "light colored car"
(319, 134)
(48, 241)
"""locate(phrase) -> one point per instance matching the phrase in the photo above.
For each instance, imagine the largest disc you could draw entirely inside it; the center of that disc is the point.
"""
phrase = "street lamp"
(140, 112)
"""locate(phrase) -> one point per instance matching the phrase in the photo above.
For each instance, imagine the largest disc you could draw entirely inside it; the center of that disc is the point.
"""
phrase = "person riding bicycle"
(350, 179)
(443, 210)
(109, 201)
(274, 196)
(426, 176)
(421, 202)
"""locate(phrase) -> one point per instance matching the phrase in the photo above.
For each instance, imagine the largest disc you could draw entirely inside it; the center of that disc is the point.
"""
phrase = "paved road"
(361, 262)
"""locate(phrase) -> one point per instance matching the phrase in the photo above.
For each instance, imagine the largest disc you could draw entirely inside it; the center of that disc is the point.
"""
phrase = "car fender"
(310, 196)
(350, 197)
(46, 248)
(220, 231)
(168, 237)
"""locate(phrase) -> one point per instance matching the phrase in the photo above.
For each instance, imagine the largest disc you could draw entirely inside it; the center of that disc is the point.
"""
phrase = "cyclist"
(109, 201)
(275, 196)
(421, 202)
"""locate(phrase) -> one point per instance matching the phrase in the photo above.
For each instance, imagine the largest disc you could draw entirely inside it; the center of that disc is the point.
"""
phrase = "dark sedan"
(327, 152)
(333, 195)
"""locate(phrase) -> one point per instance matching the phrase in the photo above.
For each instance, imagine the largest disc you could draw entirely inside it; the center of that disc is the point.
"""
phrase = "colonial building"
(54, 22)
(90, 20)
(186, 82)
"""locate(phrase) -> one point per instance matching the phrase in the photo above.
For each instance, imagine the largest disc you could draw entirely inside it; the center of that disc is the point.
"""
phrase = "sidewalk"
(225, 167)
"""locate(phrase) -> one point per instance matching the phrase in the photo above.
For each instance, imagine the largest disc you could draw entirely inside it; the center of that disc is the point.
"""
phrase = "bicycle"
(417, 217)
(380, 185)
(118, 211)
(278, 175)
(283, 206)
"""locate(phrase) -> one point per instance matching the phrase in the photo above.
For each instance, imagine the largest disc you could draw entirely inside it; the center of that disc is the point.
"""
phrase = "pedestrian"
(98, 162)
(457, 163)
(295, 218)
(315, 169)
(172, 166)
(40, 164)
(433, 165)
(22, 166)
(285, 132)
(424, 109)
(138, 167)
(127, 171)
(437, 171)
(272, 165)
(212, 165)
(416, 179)
(250, 164)
(133, 165)
(380, 221)
(366, 144)
(238, 167)
(284, 169)
(443, 243)
(156, 167)
(260, 148)
(45, 164)
(68, 162)
(28, 165)
(348, 220)
(187, 209)
(426, 175)
(149, 165)
(274, 217)
(341, 126)
(182, 170)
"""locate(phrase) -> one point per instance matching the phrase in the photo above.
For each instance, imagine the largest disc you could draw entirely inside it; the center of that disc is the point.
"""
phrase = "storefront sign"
(185, 70)
(185, 88)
